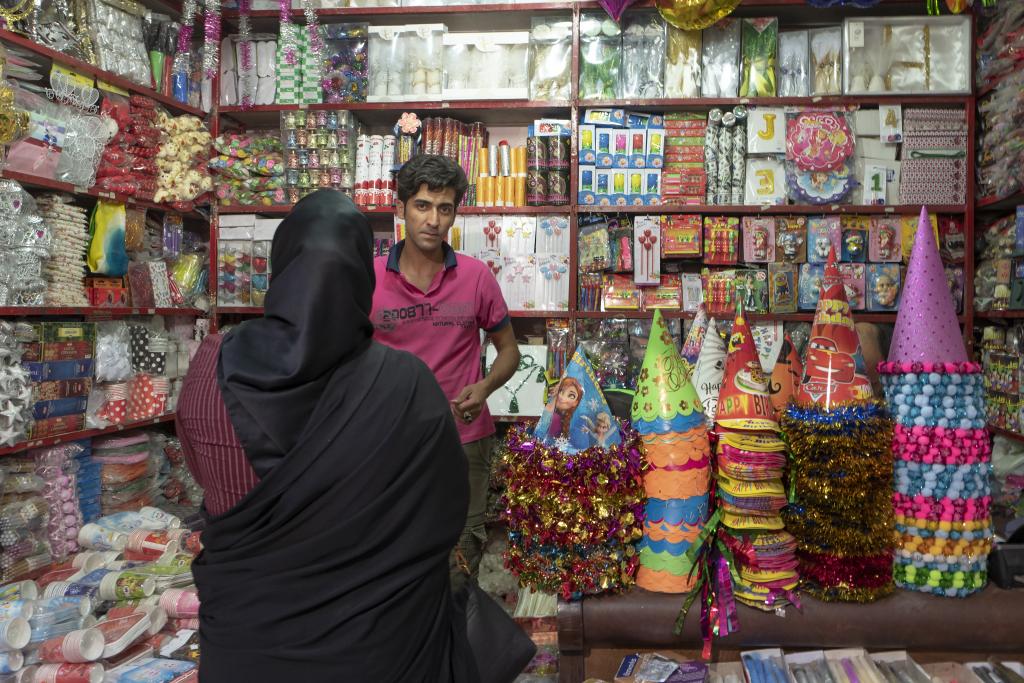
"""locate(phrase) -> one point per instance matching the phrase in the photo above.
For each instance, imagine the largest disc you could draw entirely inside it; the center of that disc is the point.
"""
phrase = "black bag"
(500, 647)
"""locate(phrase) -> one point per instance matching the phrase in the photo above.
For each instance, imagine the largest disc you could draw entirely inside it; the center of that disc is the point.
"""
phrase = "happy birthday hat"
(578, 417)
(744, 402)
(665, 399)
(926, 326)
(695, 338)
(834, 369)
(709, 370)
(786, 375)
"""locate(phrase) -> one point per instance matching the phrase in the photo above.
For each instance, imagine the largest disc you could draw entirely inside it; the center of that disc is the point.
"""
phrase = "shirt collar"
(396, 253)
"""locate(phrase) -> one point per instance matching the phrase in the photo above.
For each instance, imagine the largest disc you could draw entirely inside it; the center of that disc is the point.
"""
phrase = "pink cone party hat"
(834, 370)
(927, 329)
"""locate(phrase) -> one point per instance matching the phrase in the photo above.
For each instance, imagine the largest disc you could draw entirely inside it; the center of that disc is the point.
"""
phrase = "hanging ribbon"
(211, 37)
(183, 57)
(288, 41)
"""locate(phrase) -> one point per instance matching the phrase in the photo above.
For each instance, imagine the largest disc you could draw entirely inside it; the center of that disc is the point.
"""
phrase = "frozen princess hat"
(577, 416)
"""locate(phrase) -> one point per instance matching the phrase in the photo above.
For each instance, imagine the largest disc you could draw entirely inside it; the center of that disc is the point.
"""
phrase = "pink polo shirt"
(441, 327)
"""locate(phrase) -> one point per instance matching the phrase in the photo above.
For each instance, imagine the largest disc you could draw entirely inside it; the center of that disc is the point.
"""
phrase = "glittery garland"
(573, 518)
(182, 59)
(288, 41)
(245, 43)
(316, 39)
(841, 510)
(211, 37)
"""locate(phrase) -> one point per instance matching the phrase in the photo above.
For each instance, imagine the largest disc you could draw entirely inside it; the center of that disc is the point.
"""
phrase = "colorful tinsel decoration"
(288, 39)
(245, 43)
(182, 58)
(211, 37)
(573, 518)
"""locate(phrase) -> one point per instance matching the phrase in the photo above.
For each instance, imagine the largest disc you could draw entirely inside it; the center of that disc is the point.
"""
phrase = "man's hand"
(470, 402)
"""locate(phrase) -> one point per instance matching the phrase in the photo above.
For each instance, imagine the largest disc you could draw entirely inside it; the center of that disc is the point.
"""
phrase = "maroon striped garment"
(212, 449)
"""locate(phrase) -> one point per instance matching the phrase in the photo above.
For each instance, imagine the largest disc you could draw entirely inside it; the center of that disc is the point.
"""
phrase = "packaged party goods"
(883, 286)
(791, 239)
(721, 59)
(941, 444)
(752, 289)
(766, 130)
(600, 57)
(682, 236)
(682, 62)
(760, 43)
(854, 283)
(600, 554)
(488, 65)
(719, 291)
(765, 181)
(908, 54)
(794, 64)
(819, 147)
(594, 251)
(721, 240)
(758, 239)
(884, 240)
(782, 287)
(345, 69)
(550, 58)
(620, 293)
(811, 275)
(117, 37)
(643, 60)
(826, 61)
(647, 250)
(855, 238)
(823, 233)
(234, 261)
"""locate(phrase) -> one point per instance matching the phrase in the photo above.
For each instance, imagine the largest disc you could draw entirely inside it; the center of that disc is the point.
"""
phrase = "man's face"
(428, 217)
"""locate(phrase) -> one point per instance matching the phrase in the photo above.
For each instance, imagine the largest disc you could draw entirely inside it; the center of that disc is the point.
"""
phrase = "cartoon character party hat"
(709, 370)
(695, 337)
(667, 414)
(786, 375)
(744, 402)
(577, 416)
(927, 329)
(834, 370)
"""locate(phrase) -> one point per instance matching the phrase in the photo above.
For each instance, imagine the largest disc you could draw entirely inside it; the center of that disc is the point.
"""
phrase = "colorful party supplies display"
(839, 438)
(574, 501)
(941, 447)
(668, 416)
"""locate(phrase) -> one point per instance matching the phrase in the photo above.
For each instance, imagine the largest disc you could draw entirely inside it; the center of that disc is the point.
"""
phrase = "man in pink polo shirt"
(433, 303)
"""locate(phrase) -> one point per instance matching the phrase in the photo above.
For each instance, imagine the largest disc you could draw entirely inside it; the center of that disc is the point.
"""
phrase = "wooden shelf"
(802, 209)
(999, 315)
(254, 311)
(89, 70)
(93, 311)
(390, 211)
(839, 101)
(1009, 434)
(283, 209)
(999, 204)
(804, 316)
(57, 186)
(326, 15)
(84, 434)
(385, 114)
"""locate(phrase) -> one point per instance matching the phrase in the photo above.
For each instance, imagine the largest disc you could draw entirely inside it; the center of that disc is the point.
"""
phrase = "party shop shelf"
(1008, 433)
(94, 312)
(784, 209)
(390, 211)
(84, 434)
(490, 112)
(87, 69)
(243, 311)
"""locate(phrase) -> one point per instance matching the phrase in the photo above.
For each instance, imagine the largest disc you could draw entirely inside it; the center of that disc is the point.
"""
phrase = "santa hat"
(927, 329)
(834, 370)
(744, 402)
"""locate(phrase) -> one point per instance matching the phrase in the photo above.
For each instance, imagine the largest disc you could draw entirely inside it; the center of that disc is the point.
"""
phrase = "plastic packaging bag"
(600, 57)
(550, 58)
(643, 61)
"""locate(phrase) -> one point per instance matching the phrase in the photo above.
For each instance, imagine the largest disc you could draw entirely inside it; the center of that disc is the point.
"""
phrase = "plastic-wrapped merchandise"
(600, 57)
(25, 243)
(15, 385)
(683, 63)
(826, 61)
(550, 58)
(794, 64)
(345, 69)
(387, 63)
(128, 474)
(69, 225)
(59, 470)
(760, 56)
(643, 56)
(486, 65)
(721, 60)
(24, 542)
(116, 32)
(820, 154)
(183, 176)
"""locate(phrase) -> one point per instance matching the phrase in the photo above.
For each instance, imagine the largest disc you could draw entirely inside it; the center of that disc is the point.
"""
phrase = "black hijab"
(335, 566)
(273, 370)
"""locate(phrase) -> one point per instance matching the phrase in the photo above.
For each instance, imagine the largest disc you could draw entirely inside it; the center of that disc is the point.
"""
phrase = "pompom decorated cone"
(941, 446)
(838, 438)
(574, 498)
(668, 416)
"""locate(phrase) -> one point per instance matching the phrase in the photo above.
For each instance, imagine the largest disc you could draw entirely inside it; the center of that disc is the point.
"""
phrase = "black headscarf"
(335, 566)
(273, 370)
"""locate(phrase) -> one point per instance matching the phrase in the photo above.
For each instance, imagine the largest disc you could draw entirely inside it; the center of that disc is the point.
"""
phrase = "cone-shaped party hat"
(665, 399)
(708, 373)
(744, 402)
(926, 326)
(577, 416)
(786, 375)
(695, 338)
(834, 370)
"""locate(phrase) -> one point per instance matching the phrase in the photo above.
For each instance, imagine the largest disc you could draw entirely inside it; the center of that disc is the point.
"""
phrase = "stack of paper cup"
(115, 403)
(84, 645)
(19, 590)
(14, 634)
(69, 673)
(17, 609)
(144, 544)
(10, 662)
(157, 515)
(96, 537)
(92, 560)
(180, 603)
(123, 585)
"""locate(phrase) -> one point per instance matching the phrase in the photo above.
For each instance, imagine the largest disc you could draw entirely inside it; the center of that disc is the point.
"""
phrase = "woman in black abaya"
(335, 566)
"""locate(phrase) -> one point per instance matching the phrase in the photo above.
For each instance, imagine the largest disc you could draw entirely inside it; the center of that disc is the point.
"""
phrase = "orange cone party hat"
(834, 370)
(786, 376)
(744, 402)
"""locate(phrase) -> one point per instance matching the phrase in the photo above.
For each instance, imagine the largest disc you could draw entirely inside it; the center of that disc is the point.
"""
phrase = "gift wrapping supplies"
(69, 226)
(941, 446)
(668, 416)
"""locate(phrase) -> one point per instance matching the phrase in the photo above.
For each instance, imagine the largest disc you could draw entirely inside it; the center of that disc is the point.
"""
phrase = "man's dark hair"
(436, 172)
